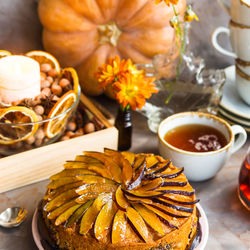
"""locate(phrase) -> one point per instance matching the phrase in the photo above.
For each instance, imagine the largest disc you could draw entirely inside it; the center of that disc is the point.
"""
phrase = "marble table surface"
(229, 221)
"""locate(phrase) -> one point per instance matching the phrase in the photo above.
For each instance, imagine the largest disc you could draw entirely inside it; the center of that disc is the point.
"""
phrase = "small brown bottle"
(123, 123)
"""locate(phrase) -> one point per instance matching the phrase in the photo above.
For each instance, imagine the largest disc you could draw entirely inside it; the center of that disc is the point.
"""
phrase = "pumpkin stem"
(109, 33)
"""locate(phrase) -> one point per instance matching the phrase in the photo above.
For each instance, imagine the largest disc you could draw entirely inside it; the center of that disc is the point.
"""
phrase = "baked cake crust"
(128, 201)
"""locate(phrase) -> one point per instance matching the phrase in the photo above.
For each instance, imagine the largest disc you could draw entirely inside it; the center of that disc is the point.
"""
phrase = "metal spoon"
(12, 217)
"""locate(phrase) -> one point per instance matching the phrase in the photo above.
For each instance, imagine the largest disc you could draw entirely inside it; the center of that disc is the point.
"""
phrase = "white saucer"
(201, 246)
(231, 101)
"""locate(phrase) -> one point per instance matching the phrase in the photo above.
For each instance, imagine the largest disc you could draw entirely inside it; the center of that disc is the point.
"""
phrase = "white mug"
(239, 10)
(240, 40)
(200, 166)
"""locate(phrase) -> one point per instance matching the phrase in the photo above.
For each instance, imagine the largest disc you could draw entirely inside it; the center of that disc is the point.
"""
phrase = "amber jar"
(123, 123)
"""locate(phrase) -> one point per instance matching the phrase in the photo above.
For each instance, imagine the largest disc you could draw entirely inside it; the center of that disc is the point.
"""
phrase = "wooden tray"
(39, 164)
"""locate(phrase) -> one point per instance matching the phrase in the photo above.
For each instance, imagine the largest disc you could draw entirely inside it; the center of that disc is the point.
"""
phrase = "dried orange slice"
(55, 126)
(10, 134)
(4, 53)
(44, 57)
(71, 75)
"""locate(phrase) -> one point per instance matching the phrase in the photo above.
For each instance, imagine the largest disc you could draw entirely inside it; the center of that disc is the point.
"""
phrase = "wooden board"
(39, 164)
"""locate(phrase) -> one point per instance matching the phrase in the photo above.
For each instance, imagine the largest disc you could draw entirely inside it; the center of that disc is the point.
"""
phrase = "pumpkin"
(84, 33)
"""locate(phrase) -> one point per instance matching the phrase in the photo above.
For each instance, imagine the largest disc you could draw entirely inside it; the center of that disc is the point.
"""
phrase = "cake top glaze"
(118, 197)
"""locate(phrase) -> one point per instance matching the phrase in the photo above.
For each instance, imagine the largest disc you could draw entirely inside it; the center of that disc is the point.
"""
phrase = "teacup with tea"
(199, 142)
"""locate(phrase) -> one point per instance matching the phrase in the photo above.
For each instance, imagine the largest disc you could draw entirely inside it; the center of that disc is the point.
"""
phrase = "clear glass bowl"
(39, 138)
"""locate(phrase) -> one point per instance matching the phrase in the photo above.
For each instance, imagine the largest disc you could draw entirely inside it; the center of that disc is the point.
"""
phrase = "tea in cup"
(199, 142)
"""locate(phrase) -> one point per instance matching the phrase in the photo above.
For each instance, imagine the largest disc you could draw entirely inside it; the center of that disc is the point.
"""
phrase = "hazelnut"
(30, 140)
(39, 109)
(39, 118)
(52, 73)
(39, 134)
(79, 132)
(89, 128)
(46, 91)
(38, 142)
(64, 83)
(45, 67)
(42, 76)
(64, 138)
(70, 134)
(50, 79)
(71, 126)
(56, 89)
(45, 84)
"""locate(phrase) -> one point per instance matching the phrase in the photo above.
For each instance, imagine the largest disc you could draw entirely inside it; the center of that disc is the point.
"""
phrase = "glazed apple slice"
(139, 160)
(119, 227)
(103, 223)
(179, 181)
(85, 197)
(166, 211)
(173, 206)
(114, 168)
(142, 194)
(166, 219)
(152, 185)
(139, 174)
(187, 190)
(61, 182)
(139, 224)
(160, 168)
(89, 217)
(118, 158)
(79, 164)
(133, 199)
(55, 192)
(78, 213)
(60, 200)
(56, 212)
(151, 219)
(65, 215)
(120, 199)
(96, 188)
(152, 162)
(87, 159)
(70, 173)
(181, 201)
(165, 175)
(88, 179)
(129, 156)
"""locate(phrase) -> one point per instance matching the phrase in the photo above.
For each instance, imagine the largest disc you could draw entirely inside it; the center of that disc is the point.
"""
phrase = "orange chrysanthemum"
(129, 84)
(133, 91)
(167, 1)
(114, 69)
(110, 71)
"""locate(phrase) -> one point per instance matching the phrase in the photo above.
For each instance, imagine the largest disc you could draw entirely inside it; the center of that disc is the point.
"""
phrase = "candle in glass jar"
(19, 78)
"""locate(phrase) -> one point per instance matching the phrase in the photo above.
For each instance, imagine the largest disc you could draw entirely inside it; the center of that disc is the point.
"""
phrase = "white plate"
(231, 101)
(201, 246)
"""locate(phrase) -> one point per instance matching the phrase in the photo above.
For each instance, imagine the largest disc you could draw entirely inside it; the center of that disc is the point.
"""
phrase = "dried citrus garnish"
(55, 126)
(4, 53)
(71, 75)
(44, 57)
(12, 132)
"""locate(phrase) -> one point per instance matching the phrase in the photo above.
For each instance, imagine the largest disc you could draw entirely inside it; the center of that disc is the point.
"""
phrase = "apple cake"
(116, 200)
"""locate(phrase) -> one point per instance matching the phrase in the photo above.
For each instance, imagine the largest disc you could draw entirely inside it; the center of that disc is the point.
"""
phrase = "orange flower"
(133, 91)
(127, 92)
(110, 71)
(174, 2)
(113, 70)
